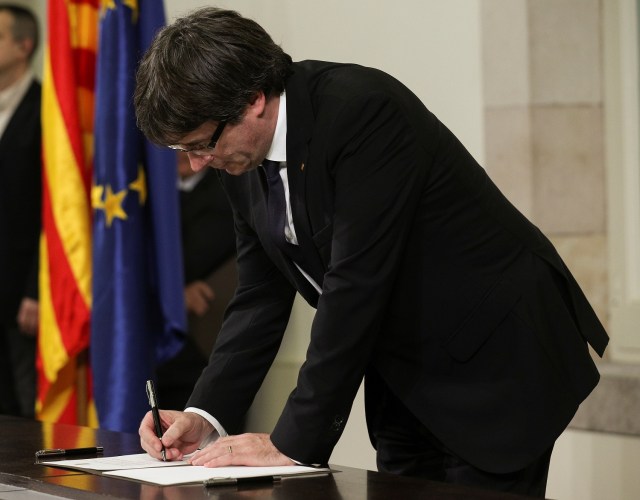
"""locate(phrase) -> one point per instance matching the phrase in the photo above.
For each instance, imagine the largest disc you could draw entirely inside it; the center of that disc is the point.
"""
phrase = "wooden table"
(20, 438)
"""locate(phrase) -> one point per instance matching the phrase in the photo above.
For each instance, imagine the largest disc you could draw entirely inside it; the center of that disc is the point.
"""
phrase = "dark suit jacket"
(20, 190)
(430, 277)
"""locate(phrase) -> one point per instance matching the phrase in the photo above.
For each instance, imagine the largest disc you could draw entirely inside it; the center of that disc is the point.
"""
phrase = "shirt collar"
(189, 183)
(278, 149)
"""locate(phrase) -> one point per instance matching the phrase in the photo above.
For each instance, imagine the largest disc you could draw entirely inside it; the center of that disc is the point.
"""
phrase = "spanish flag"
(64, 380)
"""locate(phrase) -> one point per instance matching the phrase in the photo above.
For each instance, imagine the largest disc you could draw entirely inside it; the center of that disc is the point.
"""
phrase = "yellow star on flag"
(140, 185)
(113, 205)
(111, 4)
(96, 197)
(133, 5)
(107, 4)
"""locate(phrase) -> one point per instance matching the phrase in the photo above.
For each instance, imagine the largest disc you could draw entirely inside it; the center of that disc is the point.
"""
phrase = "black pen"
(153, 402)
(60, 452)
(239, 481)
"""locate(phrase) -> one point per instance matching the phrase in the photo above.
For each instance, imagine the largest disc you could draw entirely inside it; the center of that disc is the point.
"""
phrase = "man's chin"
(237, 169)
(232, 171)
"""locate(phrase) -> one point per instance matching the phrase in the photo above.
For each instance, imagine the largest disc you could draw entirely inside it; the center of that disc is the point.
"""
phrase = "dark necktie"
(277, 210)
(277, 217)
(276, 204)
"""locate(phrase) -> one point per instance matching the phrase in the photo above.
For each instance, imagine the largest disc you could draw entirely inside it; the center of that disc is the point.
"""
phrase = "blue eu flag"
(138, 305)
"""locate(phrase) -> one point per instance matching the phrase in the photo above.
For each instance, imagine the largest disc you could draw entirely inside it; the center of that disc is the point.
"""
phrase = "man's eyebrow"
(191, 143)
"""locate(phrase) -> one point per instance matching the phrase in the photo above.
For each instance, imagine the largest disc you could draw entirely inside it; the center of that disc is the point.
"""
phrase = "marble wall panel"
(568, 169)
(565, 49)
(586, 257)
(508, 150)
(505, 52)
(614, 405)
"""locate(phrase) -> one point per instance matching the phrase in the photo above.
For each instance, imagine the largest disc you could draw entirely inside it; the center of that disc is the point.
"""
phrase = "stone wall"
(542, 62)
(545, 144)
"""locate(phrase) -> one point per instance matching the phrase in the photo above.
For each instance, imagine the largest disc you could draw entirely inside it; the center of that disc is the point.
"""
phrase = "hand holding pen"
(183, 433)
(153, 402)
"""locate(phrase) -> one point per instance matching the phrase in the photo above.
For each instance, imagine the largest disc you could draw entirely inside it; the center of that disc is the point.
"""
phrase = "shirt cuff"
(220, 432)
(215, 434)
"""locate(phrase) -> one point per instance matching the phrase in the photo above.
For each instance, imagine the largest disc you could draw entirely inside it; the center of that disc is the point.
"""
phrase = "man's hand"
(198, 296)
(182, 433)
(254, 450)
(27, 318)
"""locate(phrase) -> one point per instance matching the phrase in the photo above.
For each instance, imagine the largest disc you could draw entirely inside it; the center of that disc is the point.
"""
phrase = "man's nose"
(198, 162)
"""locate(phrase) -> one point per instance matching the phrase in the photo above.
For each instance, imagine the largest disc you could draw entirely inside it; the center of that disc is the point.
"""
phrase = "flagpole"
(82, 400)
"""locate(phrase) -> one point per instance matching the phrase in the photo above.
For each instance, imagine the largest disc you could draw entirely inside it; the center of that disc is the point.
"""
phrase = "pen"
(59, 452)
(153, 402)
(239, 481)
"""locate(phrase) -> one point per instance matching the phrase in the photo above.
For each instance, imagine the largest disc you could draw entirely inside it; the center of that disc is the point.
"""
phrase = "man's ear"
(257, 103)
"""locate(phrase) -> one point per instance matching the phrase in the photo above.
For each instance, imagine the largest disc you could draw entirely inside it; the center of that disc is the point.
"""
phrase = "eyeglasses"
(203, 150)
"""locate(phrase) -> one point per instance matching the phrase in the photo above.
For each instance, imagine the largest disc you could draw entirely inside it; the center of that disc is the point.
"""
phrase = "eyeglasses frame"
(203, 151)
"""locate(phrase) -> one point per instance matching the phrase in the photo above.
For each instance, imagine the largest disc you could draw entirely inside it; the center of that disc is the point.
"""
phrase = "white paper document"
(122, 462)
(145, 468)
(198, 474)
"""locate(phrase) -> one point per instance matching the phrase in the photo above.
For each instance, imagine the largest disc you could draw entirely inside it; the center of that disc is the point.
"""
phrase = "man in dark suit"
(19, 209)
(470, 332)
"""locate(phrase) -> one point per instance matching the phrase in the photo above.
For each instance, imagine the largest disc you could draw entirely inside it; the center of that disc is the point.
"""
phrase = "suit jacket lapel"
(300, 123)
(299, 126)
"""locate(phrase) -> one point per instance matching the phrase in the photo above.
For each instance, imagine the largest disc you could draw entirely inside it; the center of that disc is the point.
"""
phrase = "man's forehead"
(199, 135)
(6, 19)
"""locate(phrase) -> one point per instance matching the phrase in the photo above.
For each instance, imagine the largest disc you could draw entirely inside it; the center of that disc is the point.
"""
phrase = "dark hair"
(25, 24)
(206, 66)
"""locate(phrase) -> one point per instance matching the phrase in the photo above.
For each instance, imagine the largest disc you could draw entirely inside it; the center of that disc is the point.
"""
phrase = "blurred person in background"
(20, 204)
(209, 249)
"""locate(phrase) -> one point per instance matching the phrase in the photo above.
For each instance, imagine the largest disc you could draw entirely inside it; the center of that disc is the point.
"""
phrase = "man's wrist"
(218, 430)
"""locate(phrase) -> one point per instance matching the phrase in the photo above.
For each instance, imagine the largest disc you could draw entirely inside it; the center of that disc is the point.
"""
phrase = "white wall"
(432, 46)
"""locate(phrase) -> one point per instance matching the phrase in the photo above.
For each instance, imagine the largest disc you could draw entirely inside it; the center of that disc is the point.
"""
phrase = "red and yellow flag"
(64, 381)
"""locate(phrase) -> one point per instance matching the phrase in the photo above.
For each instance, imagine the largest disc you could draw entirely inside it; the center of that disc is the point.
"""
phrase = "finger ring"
(230, 449)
